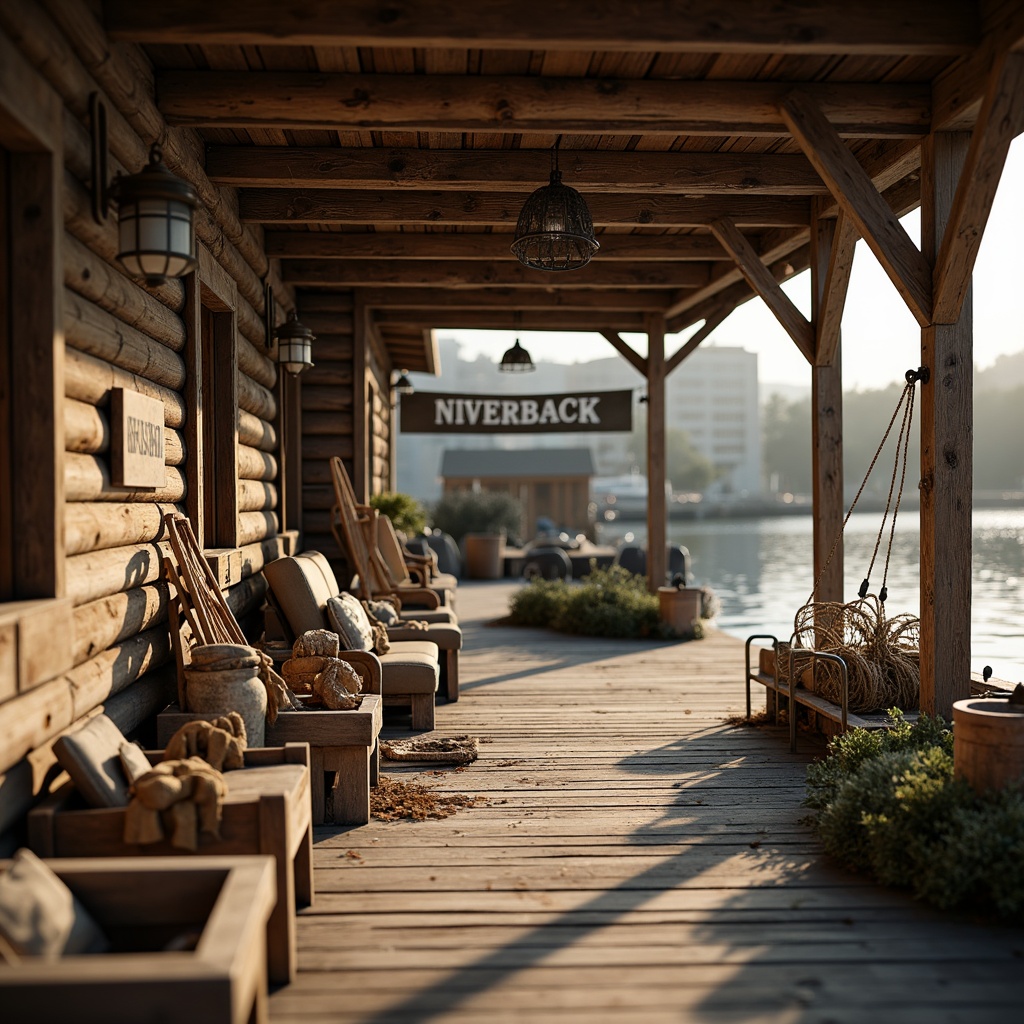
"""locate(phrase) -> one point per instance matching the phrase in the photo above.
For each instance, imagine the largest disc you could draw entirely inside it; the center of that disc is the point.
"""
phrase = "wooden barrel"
(988, 742)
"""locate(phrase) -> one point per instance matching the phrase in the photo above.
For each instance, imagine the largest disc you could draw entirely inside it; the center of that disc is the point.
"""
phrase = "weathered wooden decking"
(637, 860)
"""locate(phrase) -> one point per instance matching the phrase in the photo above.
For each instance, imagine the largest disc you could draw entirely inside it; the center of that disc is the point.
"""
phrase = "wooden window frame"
(31, 133)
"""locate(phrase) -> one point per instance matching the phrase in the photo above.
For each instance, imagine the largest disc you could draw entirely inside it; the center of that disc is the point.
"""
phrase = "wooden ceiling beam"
(385, 245)
(855, 192)
(518, 298)
(492, 103)
(703, 26)
(1000, 121)
(479, 274)
(512, 170)
(514, 319)
(404, 208)
(797, 326)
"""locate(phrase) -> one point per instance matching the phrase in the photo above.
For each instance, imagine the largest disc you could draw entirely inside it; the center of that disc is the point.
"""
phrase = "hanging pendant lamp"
(555, 230)
(516, 360)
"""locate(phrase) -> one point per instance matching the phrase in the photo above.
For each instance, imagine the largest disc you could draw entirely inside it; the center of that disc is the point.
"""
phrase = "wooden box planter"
(267, 811)
(342, 744)
(140, 904)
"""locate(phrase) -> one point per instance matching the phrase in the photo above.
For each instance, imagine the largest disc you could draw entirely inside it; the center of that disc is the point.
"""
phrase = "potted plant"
(480, 522)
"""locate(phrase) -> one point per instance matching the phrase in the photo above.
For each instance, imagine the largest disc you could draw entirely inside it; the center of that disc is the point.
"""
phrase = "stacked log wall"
(328, 402)
(120, 333)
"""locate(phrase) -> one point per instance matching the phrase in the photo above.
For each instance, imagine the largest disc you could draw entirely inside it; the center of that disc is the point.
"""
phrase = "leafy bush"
(463, 512)
(888, 804)
(610, 602)
(407, 514)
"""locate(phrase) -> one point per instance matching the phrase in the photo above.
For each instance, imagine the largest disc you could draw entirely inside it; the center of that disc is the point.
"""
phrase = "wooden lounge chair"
(344, 755)
(354, 529)
(222, 980)
(267, 810)
(407, 568)
(300, 588)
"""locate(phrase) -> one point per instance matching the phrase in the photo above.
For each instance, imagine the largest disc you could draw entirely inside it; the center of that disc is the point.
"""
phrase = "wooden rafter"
(503, 104)
(527, 320)
(693, 342)
(856, 194)
(479, 274)
(477, 246)
(834, 287)
(1000, 121)
(761, 280)
(627, 300)
(512, 170)
(744, 26)
(403, 208)
(637, 361)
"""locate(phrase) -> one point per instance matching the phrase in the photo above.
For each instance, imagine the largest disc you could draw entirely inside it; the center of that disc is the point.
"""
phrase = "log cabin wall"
(378, 407)
(156, 341)
(328, 401)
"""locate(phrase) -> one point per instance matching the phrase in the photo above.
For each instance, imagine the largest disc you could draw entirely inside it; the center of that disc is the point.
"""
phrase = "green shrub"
(888, 804)
(407, 514)
(463, 512)
(608, 602)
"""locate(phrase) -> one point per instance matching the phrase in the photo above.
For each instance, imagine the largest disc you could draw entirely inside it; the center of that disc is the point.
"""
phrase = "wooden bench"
(342, 744)
(266, 811)
(140, 903)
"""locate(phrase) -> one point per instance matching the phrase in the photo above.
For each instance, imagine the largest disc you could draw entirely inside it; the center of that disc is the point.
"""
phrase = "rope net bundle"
(881, 654)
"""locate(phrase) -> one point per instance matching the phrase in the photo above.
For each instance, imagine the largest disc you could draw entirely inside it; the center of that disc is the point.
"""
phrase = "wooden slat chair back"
(355, 530)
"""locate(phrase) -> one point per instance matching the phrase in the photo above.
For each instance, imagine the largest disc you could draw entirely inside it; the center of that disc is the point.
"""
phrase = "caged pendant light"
(516, 360)
(555, 230)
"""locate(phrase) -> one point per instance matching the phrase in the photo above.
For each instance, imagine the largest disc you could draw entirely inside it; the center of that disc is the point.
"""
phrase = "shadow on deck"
(636, 859)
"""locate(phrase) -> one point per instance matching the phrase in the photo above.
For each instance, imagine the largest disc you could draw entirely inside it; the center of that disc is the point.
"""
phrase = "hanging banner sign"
(438, 413)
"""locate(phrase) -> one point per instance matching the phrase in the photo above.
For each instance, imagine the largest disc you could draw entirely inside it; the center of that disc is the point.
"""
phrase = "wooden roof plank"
(698, 26)
(457, 103)
(507, 298)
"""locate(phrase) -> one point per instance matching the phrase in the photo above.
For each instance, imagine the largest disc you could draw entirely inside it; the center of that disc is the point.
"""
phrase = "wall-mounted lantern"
(294, 345)
(155, 209)
(403, 385)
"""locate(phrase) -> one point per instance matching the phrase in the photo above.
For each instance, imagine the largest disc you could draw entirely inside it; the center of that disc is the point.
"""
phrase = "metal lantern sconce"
(155, 210)
(516, 360)
(403, 386)
(555, 230)
(294, 345)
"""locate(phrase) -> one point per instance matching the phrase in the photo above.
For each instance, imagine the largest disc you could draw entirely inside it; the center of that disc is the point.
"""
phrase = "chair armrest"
(367, 664)
(419, 574)
(420, 595)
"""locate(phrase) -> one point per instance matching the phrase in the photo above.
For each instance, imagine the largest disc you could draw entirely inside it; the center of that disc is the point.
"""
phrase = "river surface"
(761, 571)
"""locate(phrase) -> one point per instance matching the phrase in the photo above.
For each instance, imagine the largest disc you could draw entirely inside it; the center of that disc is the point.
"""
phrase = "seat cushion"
(445, 615)
(91, 755)
(448, 637)
(409, 671)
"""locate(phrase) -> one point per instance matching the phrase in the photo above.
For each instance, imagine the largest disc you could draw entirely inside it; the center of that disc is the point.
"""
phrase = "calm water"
(761, 571)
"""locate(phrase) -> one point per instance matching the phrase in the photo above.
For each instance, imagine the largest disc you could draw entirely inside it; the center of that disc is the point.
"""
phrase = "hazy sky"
(881, 340)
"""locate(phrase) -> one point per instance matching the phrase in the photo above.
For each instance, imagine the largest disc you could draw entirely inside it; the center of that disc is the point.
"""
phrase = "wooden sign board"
(433, 412)
(136, 440)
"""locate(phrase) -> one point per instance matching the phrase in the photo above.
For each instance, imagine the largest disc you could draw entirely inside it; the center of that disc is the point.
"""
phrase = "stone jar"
(226, 677)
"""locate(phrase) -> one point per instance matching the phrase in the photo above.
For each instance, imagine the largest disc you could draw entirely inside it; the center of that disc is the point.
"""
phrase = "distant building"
(550, 482)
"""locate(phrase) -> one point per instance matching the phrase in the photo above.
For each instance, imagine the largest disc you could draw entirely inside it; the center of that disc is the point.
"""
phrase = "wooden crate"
(274, 817)
(343, 744)
(139, 903)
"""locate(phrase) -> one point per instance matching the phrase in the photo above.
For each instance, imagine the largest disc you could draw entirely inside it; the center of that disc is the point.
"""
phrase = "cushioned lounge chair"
(300, 588)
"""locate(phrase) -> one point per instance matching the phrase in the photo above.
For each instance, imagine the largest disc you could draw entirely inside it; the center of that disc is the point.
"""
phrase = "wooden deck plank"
(635, 858)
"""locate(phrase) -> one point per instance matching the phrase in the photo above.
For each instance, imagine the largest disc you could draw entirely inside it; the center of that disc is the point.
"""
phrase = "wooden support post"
(827, 422)
(291, 451)
(947, 412)
(656, 525)
(192, 316)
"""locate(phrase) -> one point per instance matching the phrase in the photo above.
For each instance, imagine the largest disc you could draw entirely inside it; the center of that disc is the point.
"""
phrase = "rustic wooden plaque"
(136, 440)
